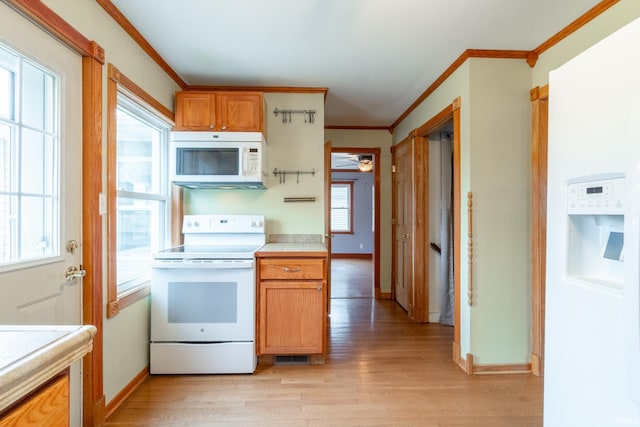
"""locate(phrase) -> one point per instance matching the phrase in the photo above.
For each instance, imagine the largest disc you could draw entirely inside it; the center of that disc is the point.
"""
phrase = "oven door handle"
(211, 264)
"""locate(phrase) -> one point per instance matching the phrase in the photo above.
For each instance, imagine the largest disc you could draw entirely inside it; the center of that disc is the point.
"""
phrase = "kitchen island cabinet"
(292, 300)
(219, 111)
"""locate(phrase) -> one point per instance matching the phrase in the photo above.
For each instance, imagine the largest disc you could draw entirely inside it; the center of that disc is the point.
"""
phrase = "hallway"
(351, 278)
(381, 369)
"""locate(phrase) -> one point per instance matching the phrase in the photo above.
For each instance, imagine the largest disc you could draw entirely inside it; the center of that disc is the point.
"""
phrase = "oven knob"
(196, 223)
(256, 223)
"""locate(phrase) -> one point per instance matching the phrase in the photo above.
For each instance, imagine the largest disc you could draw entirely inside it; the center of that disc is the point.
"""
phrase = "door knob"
(74, 272)
(72, 246)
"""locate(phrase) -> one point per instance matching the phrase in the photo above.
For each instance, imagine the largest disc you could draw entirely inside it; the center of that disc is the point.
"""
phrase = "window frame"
(119, 85)
(349, 185)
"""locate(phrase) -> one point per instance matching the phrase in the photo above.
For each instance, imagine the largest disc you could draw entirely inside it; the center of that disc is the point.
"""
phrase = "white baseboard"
(434, 317)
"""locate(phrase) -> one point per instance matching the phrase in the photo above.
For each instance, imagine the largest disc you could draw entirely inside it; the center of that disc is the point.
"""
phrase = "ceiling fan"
(363, 162)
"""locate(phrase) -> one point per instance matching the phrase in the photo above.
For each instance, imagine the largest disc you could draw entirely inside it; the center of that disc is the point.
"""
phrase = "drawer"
(291, 268)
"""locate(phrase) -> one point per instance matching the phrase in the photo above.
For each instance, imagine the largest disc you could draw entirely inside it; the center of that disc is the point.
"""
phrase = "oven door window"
(202, 302)
(208, 161)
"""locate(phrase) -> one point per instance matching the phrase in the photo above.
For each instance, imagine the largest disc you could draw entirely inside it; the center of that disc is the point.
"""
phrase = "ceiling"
(375, 57)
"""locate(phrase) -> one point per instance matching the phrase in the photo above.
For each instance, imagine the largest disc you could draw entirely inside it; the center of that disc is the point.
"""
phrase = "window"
(137, 193)
(29, 174)
(341, 207)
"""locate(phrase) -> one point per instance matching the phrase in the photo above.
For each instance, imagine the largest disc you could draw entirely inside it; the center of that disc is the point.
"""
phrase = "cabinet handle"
(211, 126)
(319, 288)
(224, 127)
(292, 270)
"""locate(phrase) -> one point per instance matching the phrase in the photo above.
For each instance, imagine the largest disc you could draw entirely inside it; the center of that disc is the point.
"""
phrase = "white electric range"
(203, 297)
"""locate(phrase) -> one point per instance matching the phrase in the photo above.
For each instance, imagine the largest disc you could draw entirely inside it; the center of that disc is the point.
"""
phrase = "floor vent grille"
(291, 360)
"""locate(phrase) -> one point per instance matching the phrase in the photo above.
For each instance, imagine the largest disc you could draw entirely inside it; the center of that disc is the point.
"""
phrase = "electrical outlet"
(102, 204)
(361, 246)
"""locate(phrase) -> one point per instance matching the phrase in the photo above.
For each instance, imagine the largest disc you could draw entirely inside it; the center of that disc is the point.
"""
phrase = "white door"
(40, 181)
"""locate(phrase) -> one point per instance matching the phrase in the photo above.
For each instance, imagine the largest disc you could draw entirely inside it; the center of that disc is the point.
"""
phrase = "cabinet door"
(195, 111)
(291, 317)
(48, 406)
(240, 112)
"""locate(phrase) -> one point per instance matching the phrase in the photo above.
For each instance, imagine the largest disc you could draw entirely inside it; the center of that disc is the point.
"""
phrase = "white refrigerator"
(592, 338)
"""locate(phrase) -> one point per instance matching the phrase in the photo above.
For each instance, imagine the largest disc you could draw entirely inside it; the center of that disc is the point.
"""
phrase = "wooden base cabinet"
(48, 406)
(292, 295)
(220, 111)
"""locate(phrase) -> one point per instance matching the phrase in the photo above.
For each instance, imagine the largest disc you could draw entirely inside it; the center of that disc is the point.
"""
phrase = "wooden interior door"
(402, 226)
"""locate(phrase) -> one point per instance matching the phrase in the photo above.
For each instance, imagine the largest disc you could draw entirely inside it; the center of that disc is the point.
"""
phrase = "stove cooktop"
(208, 252)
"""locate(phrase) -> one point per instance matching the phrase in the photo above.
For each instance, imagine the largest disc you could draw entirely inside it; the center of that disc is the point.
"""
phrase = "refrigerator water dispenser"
(595, 208)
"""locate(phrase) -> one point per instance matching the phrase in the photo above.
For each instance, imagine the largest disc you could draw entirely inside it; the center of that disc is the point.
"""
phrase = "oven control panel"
(193, 224)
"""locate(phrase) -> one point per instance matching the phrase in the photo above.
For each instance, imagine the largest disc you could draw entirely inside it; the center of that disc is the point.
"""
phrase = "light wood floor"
(351, 278)
(381, 370)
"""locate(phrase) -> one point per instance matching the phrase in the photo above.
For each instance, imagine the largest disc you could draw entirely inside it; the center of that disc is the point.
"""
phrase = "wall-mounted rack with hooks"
(309, 115)
(283, 174)
(299, 199)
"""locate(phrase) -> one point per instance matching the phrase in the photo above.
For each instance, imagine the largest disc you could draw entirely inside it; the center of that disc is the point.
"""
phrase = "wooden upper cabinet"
(240, 112)
(195, 111)
(220, 111)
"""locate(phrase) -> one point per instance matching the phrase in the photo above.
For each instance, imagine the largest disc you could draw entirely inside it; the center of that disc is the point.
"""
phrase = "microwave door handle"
(245, 160)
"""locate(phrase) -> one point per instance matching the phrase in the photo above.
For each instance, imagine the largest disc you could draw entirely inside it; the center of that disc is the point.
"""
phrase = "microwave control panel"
(253, 161)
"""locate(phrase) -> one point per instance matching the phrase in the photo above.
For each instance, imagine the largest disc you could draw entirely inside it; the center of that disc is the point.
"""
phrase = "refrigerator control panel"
(602, 196)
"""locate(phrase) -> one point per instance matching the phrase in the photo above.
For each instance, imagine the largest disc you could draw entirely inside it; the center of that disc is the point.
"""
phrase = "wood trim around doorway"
(452, 112)
(376, 207)
(539, 97)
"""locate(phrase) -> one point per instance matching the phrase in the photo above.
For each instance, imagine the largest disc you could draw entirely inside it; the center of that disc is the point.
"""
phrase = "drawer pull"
(292, 270)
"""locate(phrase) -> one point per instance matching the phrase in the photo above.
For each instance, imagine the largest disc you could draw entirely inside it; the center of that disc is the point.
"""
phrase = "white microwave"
(224, 160)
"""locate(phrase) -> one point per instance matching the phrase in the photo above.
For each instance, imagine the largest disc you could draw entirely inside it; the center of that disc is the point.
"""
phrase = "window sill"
(127, 298)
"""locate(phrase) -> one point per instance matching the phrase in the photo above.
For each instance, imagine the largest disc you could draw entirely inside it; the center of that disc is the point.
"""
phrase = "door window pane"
(29, 161)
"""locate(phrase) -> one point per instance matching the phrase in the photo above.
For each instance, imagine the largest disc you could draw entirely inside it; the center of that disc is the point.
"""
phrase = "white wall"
(500, 165)
(361, 240)
(494, 136)
(291, 146)
(612, 19)
(457, 85)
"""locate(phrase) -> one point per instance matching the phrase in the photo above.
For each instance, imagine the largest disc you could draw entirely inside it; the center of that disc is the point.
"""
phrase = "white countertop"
(32, 354)
(292, 248)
